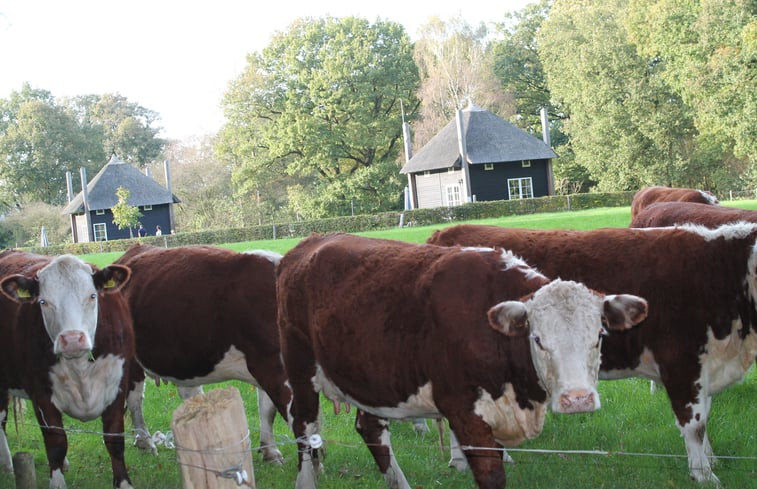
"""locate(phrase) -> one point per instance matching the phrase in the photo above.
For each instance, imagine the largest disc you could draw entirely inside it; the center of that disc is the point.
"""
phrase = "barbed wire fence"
(236, 472)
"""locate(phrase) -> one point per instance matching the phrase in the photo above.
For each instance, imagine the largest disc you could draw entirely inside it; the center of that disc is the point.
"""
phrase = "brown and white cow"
(664, 214)
(66, 345)
(218, 307)
(405, 330)
(650, 195)
(701, 284)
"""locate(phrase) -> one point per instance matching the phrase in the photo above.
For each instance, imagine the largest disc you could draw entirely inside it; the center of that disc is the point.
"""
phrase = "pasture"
(631, 442)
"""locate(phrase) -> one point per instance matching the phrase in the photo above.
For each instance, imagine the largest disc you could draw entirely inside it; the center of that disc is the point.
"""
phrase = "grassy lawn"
(634, 431)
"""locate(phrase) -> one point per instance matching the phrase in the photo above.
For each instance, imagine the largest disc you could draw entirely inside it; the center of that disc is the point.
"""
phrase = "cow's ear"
(19, 288)
(509, 318)
(624, 311)
(111, 278)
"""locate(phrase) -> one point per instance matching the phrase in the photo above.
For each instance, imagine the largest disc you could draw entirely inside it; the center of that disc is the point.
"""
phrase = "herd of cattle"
(486, 327)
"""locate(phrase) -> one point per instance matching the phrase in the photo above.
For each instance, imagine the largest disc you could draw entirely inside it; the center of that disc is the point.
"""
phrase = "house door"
(452, 195)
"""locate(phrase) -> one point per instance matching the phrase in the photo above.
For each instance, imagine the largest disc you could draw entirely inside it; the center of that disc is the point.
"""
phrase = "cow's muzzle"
(72, 344)
(578, 401)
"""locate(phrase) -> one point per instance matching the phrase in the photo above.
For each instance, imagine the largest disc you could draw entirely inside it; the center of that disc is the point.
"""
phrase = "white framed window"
(101, 231)
(147, 207)
(488, 166)
(100, 212)
(525, 164)
(452, 194)
(520, 188)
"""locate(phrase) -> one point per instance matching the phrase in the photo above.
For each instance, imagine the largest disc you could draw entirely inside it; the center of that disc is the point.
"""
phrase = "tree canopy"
(41, 139)
(322, 103)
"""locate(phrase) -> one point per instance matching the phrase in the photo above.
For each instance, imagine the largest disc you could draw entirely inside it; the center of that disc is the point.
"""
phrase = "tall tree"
(518, 67)
(520, 71)
(707, 51)
(322, 102)
(39, 142)
(455, 63)
(125, 128)
(627, 125)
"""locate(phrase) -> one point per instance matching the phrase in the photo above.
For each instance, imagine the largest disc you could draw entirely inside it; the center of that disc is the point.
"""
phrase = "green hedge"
(353, 224)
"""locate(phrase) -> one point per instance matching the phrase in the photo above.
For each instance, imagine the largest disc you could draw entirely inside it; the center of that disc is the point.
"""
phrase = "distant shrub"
(354, 224)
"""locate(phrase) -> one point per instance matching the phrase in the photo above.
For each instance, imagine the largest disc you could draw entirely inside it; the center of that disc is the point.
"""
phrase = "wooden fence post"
(213, 441)
(23, 469)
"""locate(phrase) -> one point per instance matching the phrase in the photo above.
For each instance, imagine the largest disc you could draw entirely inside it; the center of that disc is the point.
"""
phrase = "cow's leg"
(304, 409)
(484, 458)
(274, 395)
(420, 425)
(267, 414)
(691, 415)
(457, 457)
(113, 428)
(56, 445)
(134, 401)
(6, 461)
(375, 433)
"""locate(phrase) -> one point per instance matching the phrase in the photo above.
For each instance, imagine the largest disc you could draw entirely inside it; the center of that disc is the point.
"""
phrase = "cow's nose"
(578, 401)
(73, 342)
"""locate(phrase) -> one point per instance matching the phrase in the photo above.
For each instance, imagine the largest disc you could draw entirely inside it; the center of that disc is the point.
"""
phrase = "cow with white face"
(67, 343)
(701, 332)
(405, 331)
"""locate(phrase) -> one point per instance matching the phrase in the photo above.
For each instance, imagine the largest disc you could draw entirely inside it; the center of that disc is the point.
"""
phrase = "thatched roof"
(101, 190)
(488, 138)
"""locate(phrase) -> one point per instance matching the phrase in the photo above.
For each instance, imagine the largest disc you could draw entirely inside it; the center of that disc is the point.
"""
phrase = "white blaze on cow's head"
(66, 290)
(566, 321)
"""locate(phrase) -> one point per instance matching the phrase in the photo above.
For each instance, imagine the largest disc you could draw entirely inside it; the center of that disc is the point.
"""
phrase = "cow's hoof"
(146, 444)
(459, 464)
(272, 456)
(705, 477)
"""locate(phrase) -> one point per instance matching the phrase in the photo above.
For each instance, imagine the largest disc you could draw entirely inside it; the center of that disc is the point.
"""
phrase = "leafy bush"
(354, 224)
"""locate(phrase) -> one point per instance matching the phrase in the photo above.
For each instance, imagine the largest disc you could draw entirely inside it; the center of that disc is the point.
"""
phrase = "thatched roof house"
(501, 160)
(153, 200)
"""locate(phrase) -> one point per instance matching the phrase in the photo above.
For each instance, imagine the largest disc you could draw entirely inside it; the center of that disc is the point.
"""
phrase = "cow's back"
(649, 195)
(672, 213)
(197, 298)
(382, 300)
(666, 266)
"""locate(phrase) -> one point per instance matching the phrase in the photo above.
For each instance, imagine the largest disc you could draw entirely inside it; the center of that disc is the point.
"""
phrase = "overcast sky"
(175, 57)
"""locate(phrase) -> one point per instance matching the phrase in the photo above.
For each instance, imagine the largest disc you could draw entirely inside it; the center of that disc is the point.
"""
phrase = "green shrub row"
(353, 224)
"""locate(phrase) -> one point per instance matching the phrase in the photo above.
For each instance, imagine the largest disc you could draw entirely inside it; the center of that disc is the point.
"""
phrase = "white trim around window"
(101, 231)
(520, 188)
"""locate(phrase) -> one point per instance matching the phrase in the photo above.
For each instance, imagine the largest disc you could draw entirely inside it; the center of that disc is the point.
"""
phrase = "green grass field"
(634, 430)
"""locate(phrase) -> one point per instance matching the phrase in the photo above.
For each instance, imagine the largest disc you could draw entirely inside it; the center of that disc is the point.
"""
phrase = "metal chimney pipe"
(167, 171)
(85, 201)
(463, 147)
(69, 187)
(410, 203)
(545, 127)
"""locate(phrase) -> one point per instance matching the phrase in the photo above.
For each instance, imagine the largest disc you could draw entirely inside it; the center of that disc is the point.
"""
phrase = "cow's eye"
(93, 296)
(537, 340)
(42, 302)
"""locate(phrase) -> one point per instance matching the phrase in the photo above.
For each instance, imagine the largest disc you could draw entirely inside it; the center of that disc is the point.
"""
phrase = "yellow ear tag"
(23, 293)
(109, 284)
